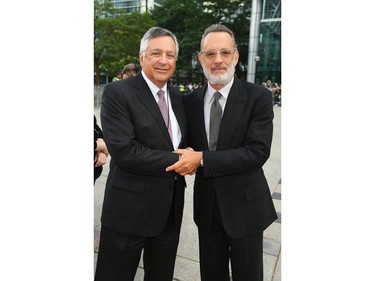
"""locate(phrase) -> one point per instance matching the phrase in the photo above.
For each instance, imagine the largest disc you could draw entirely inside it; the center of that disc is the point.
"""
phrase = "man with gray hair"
(143, 122)
(230, 129)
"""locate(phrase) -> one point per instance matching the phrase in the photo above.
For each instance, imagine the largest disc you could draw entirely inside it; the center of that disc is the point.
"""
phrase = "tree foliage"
(188, 19)
(116, 37)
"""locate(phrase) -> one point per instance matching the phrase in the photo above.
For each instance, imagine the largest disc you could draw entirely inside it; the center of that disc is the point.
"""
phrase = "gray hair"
(153, 33)
(217, 28)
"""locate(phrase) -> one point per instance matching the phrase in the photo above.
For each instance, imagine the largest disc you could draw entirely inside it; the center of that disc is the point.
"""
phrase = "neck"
(217, 87)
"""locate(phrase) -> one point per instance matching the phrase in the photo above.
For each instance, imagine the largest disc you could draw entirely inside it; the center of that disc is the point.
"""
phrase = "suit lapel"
(233, 110)
(145, 96)
(200, 113)
(195, 113)
(179, 111)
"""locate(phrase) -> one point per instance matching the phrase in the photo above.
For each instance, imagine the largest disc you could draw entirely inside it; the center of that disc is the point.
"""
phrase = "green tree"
(116, 37)
(187, 21)
(235, 15)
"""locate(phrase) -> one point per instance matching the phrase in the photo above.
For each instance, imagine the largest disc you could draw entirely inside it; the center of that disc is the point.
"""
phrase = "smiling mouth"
(218, 69)
(162, 70)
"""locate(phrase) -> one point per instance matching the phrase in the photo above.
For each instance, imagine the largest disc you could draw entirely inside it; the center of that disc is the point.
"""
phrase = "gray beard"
(221, 79)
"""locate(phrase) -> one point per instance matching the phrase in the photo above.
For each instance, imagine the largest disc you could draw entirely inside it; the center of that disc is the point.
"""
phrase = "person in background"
(277, 94)
(230, 128)
(143, 121)
(129, 70)
(269, 84)
(100, 151)
(118, 76)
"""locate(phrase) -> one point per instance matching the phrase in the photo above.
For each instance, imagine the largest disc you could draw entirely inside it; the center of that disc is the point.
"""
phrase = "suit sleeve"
(251, 144)
(130, 148)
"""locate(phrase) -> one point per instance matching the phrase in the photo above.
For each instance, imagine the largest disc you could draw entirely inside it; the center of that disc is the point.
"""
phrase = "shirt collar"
(154, 89)
(223, 91)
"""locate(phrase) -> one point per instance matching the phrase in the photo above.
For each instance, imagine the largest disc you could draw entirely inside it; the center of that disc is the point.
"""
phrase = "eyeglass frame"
(232, 51)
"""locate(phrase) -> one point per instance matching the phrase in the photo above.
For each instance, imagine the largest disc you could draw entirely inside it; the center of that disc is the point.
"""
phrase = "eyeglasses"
(224, 53)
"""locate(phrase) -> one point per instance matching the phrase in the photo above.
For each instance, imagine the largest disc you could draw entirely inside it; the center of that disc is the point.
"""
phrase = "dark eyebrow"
(161, 51)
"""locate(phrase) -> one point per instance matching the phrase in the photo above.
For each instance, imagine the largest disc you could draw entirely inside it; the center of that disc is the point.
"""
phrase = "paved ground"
(187, 262)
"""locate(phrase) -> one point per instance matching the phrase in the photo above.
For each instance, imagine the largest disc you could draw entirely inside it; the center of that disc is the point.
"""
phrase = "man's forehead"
(161, 38)
(168, 43)
(218, 39)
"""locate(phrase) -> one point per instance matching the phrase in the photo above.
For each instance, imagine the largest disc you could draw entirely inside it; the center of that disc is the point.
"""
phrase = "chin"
(221, 79)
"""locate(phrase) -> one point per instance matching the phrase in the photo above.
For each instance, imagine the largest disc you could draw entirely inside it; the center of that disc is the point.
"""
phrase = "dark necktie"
(164, 111)
(215, 119)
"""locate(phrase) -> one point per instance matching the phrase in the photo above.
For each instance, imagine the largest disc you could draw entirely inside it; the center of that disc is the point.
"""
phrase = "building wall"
(135, 5)
(269, 52)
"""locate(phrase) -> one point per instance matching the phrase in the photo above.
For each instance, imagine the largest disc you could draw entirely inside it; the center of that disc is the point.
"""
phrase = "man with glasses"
(143, 122)
(230, 129)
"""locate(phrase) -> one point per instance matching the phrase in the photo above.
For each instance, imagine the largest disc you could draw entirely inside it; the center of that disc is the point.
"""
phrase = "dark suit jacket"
(234, 172)
(139, 193)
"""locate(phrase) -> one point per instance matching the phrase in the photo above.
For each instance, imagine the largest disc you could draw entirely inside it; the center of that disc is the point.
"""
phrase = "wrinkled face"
(159, 61)
(218, 58)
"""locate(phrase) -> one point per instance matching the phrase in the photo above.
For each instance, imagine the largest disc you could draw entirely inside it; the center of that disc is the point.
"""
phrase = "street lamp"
(257, 60)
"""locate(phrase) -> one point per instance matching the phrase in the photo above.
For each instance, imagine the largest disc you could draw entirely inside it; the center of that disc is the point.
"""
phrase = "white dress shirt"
(209, 98)
(176, 131)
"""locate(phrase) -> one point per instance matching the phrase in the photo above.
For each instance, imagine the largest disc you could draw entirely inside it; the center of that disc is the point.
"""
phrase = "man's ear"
(200, 59)
(140, 59)
(236, 56)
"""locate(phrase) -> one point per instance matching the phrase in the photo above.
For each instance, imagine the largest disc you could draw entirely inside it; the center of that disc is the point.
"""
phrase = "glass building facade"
(269, 50)
(131, 6)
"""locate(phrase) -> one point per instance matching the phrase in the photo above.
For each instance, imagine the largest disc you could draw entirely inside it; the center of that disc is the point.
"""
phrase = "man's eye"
(155, 54)
(225, 53)
(170, 56)
(210, 54)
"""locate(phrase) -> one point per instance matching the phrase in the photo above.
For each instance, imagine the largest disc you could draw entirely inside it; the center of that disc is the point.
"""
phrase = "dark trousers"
(119, 255)
(216, 249)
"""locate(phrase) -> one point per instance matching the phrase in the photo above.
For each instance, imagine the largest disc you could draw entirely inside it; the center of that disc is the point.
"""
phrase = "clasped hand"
(188, 163)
